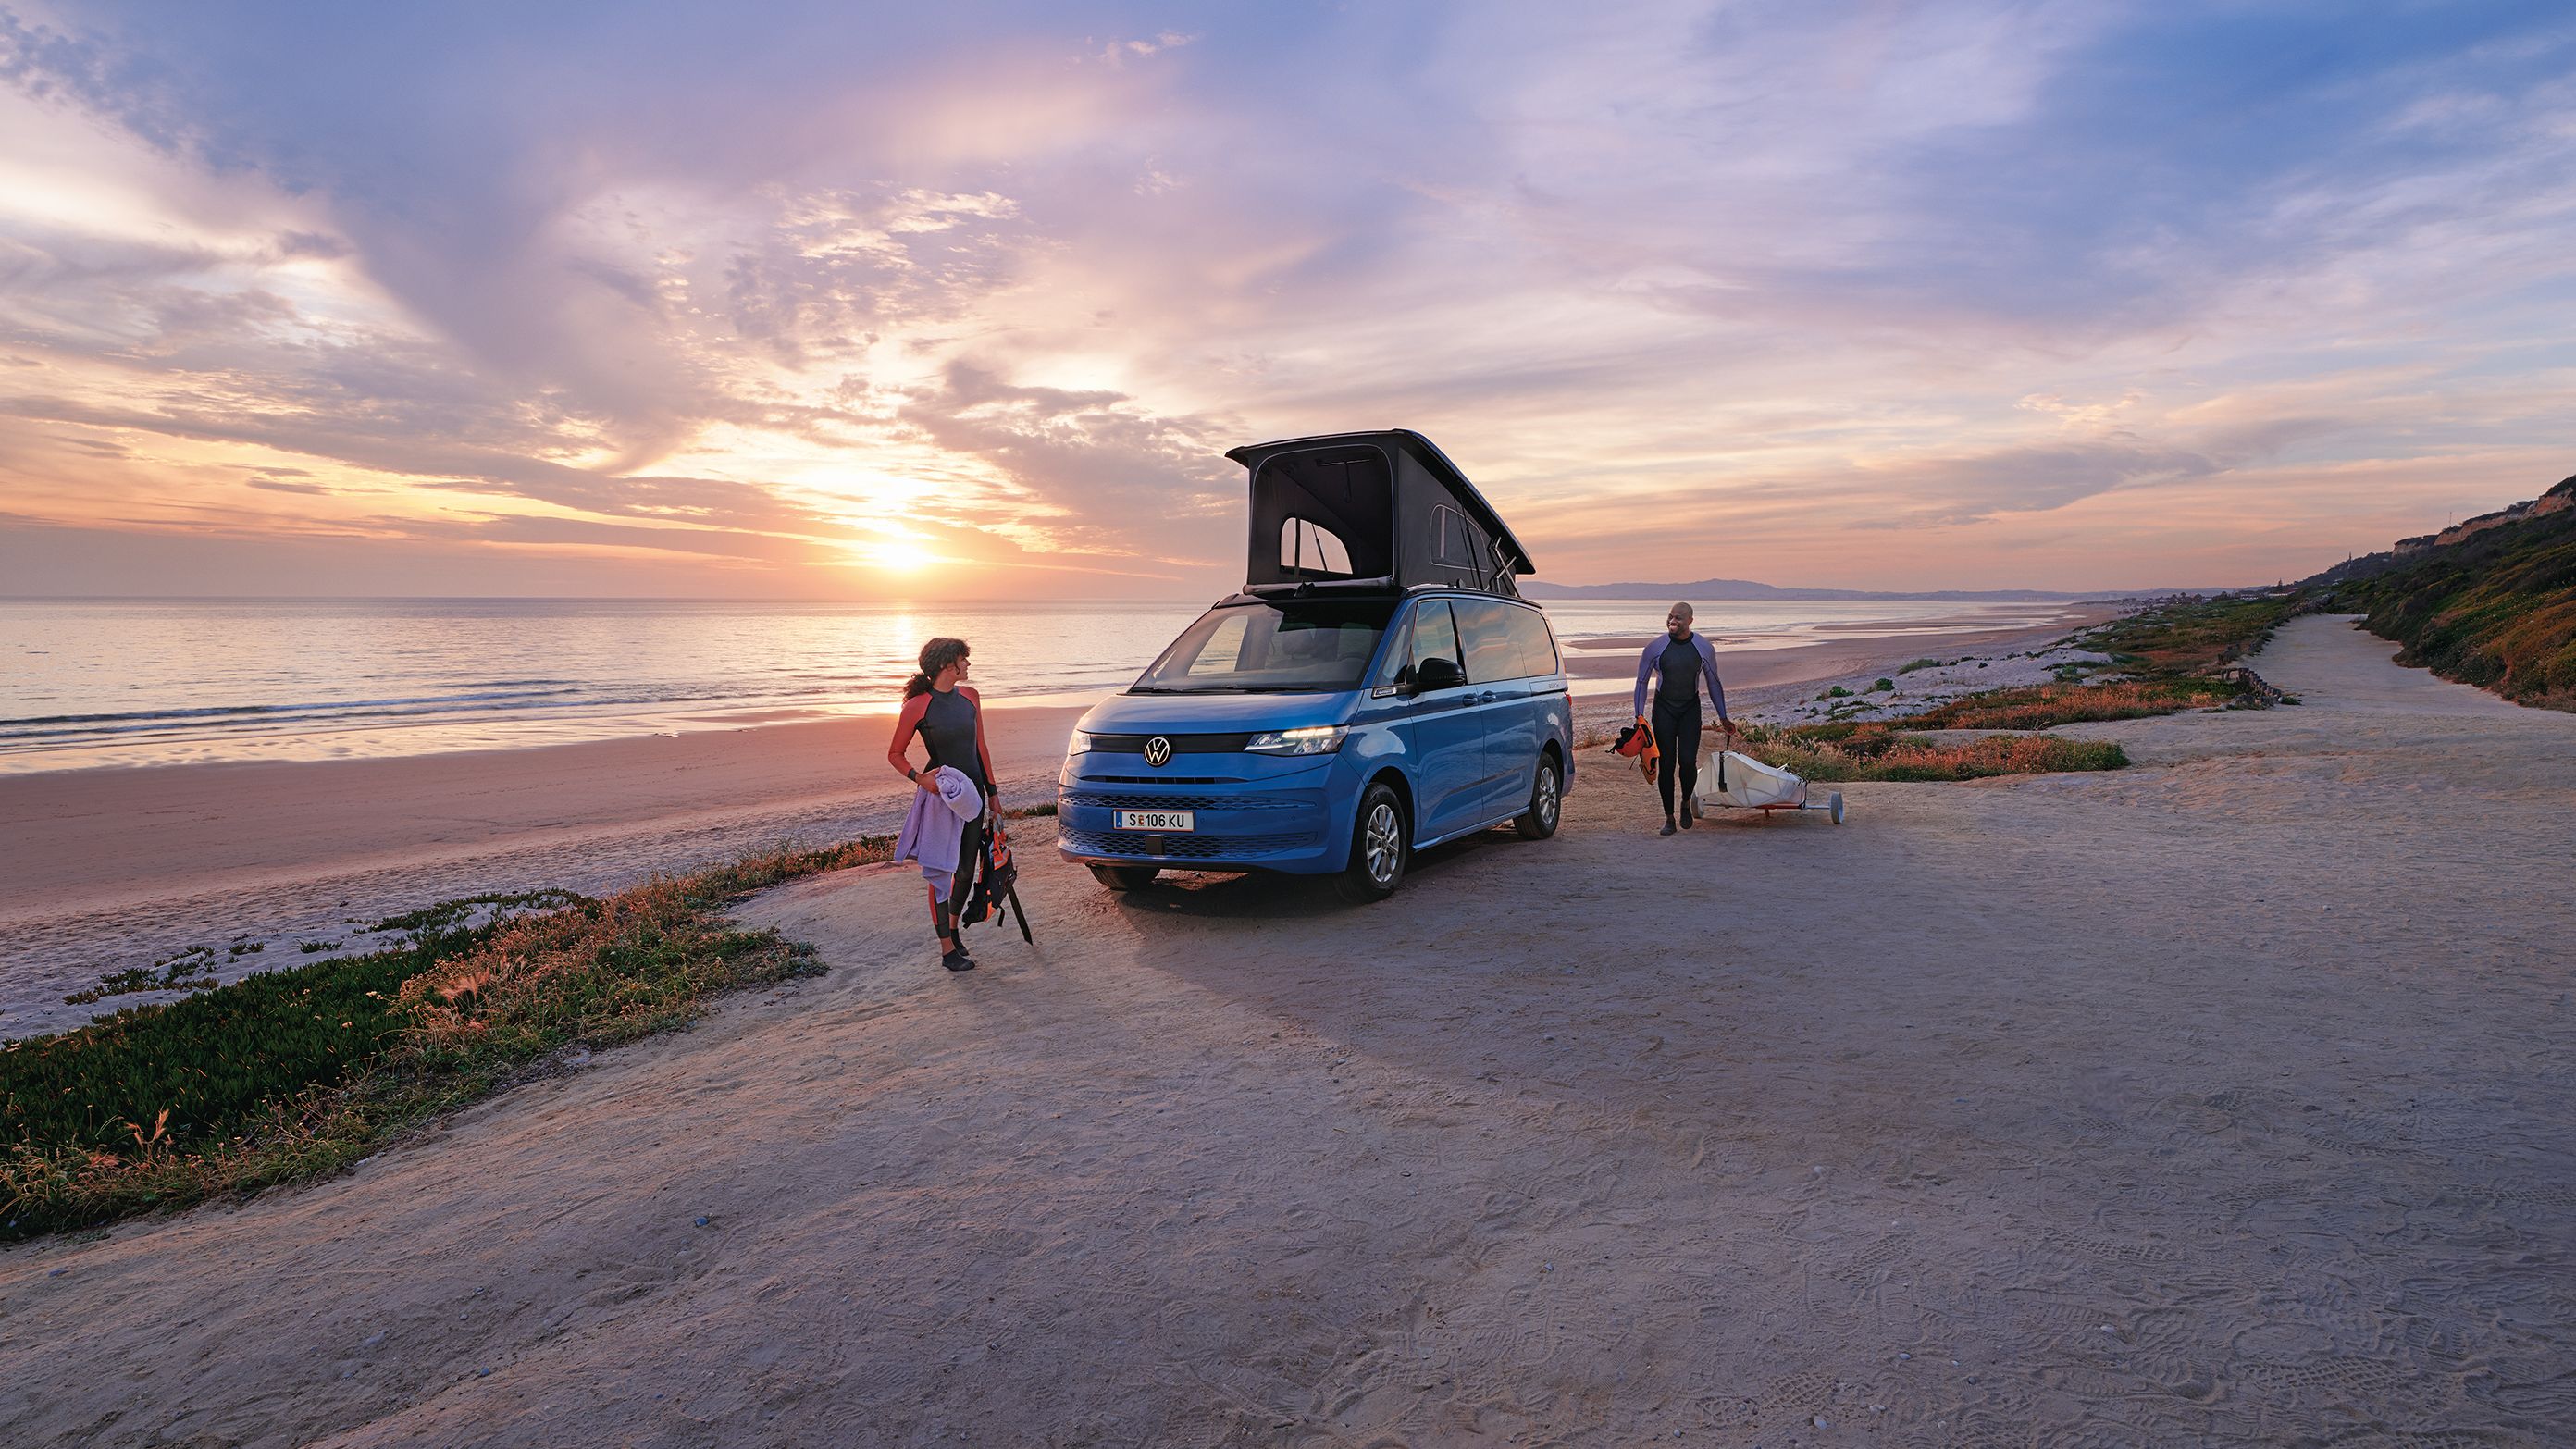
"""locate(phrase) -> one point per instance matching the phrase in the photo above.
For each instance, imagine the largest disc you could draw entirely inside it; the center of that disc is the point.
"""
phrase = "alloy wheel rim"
(1546, 796)
(1382, 843)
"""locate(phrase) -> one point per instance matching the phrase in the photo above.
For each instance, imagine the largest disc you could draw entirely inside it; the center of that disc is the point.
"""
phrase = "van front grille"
(1181, 744)
(1179, 802)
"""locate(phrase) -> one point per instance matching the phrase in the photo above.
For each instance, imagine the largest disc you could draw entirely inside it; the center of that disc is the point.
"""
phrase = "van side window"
(1308, 547)
(1536, 642)
(1492, 651)
(1430, 634)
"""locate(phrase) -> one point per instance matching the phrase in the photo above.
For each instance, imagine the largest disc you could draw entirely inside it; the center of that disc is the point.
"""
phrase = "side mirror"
(1436, 673)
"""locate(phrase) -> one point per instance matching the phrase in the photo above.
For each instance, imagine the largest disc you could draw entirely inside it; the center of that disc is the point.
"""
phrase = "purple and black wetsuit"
(1683, 665)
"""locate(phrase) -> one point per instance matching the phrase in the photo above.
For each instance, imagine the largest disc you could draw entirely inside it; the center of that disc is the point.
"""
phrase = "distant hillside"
(1747, 589)
(2491, 601)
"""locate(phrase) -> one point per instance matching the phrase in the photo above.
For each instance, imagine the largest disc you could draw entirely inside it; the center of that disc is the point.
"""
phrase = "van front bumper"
(1250, 812)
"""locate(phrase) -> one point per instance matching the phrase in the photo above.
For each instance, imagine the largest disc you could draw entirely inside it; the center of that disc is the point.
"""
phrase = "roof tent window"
(1303, 499)
(1306, 549)
(1455, 542)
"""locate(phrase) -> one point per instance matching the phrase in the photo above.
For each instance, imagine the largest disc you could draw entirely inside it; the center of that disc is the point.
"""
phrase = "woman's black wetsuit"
(947, 729)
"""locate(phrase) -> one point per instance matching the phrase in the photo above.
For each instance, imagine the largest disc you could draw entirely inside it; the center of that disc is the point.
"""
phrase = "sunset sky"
(853, 301)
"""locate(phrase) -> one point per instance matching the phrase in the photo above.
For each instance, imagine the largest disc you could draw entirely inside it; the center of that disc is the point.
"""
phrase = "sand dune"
(2223, 1100)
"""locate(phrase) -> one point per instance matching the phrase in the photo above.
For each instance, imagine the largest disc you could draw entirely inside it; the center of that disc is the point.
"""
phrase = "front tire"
(1126, 877)
(1379, 848)
(1547, 802)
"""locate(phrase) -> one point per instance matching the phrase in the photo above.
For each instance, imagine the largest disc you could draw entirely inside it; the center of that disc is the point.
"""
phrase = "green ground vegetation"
(2497, 609)
(294, 1073)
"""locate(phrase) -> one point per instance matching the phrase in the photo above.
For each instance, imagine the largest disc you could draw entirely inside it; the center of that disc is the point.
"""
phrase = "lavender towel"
(935, 827)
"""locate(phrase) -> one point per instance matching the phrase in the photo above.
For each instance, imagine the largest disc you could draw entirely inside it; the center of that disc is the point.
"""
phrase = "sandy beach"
(2220, 1100)
(115, 868)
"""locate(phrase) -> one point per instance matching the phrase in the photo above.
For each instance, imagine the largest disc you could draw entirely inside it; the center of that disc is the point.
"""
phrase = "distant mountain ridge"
(1748, 589)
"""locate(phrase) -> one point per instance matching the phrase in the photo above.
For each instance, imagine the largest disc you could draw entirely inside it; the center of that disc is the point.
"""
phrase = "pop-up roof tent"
(1374, 509)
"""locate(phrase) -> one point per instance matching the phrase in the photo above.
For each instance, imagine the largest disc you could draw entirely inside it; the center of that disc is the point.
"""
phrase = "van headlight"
(1312, 740)
(1080, 744)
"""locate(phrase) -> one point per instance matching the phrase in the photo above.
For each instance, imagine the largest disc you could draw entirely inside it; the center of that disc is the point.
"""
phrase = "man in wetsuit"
(1679, 664)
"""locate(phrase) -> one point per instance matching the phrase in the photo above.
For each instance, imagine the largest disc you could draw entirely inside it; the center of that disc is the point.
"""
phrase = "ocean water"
(103, 682)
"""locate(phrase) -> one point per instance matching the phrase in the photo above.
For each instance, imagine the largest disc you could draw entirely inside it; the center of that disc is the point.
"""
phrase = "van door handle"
(1489, 696)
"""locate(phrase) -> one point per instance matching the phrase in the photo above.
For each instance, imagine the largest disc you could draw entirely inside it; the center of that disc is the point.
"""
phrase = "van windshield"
(1267, 648)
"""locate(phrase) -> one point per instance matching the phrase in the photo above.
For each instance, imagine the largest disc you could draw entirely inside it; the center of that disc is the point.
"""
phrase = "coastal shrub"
(1905, 758)
(1882, 686)
(1913, 665)
(2497, 610)
(2046, 706)
(287, 1075)
(2188, 636)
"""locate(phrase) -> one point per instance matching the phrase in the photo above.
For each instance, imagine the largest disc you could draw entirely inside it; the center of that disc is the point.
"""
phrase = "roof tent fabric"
(1400, 511)
(1347, 493)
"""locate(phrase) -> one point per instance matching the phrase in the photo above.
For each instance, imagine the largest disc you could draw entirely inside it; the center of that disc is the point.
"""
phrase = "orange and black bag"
(1637, 742)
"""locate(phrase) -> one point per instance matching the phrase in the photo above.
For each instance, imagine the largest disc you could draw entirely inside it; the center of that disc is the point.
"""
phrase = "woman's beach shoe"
(1668, 826)
(1689, 813)
(957, 960)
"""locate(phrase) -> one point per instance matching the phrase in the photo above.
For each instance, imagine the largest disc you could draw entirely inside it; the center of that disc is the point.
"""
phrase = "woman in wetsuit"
(948, 717)
(1679, 664)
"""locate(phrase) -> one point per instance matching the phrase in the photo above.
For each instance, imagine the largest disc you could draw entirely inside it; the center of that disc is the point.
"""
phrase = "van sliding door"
(1498, 678)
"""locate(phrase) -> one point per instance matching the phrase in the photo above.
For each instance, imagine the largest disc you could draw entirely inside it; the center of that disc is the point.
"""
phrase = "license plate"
(1158, 820)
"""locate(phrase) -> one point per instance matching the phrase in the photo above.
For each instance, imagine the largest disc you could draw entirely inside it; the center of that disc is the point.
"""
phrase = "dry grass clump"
(460, 1011)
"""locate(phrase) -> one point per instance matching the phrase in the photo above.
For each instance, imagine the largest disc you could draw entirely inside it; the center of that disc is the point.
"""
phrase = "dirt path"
(2222, 1100)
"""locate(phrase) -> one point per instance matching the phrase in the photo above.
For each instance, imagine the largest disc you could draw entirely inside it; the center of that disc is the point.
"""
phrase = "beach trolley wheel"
(1126, 877)
(1378, 848)
(1547, 799)
(1834, 803)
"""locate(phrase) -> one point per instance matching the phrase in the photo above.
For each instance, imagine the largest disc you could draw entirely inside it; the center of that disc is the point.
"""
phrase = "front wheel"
(1547, 798)
(1378, 848)
(1126, 877)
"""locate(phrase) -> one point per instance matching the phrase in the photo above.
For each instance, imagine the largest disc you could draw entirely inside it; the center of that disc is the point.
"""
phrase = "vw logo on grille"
(1158, 752)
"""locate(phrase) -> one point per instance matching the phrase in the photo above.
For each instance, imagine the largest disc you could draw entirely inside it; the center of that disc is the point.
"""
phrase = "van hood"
(1194, 714)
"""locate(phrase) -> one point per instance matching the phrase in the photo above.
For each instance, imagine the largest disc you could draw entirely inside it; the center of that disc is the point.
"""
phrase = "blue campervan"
(1377, 687)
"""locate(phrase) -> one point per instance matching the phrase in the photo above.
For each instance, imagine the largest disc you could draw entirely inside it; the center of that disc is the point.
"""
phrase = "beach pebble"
(1905, 1355)
(2106, 1328)
(483, 1373)
(373, 1339)
(1819, 1422)
(702, 1222)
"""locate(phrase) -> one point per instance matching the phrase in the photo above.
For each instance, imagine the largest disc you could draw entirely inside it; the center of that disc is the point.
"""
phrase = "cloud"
(1002, 285)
